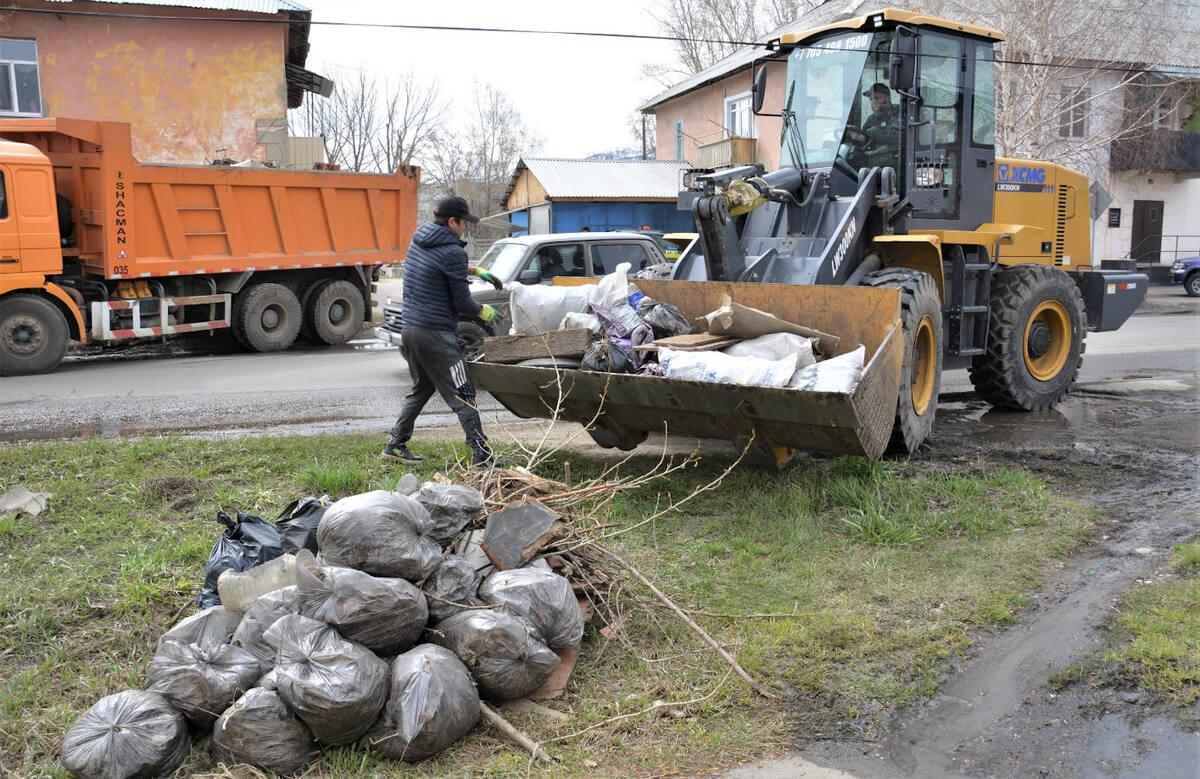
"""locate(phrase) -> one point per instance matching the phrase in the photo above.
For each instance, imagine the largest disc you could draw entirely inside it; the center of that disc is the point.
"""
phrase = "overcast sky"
(576, 93)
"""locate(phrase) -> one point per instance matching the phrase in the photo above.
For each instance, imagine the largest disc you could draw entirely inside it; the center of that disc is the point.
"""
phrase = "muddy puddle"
(1133, 457)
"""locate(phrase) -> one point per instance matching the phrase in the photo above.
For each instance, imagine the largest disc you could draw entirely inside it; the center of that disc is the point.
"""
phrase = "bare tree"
(709, 30)
(410, 115)
(369, 123)
(644, 132)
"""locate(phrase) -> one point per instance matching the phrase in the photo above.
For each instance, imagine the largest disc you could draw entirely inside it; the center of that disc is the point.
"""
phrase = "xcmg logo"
(1019, 174)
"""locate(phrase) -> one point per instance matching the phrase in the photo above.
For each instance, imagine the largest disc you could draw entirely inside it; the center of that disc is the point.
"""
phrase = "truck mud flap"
(856, 423)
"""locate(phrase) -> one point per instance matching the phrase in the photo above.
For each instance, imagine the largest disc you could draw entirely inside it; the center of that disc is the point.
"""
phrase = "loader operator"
(877, 144)
(436, 295)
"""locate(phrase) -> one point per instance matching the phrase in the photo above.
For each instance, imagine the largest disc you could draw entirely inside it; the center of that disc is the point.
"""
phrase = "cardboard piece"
(556, 685)
(693, 342)
(738, 321)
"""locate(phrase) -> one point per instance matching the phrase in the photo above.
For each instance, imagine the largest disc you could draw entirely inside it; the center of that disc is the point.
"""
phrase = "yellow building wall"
(193, 91)
(527, 192)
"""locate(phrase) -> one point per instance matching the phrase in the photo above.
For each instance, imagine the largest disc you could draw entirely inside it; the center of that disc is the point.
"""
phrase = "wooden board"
(509, 349)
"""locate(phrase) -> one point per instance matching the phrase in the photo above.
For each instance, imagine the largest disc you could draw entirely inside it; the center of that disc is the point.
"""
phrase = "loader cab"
(918, 99)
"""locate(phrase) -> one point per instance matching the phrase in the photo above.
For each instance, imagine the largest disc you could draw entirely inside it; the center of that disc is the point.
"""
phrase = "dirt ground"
(1129, 450)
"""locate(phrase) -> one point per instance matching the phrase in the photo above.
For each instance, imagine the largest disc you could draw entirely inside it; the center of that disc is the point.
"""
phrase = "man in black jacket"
(436, 294)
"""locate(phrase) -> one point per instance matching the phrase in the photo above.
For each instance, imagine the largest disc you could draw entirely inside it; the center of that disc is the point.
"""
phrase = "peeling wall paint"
(192, 90)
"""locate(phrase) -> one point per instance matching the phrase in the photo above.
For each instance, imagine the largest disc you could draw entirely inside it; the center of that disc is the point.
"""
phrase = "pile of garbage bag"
(381, 635)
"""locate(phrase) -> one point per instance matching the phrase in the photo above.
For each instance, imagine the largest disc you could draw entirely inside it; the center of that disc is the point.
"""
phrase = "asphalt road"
(219, 391)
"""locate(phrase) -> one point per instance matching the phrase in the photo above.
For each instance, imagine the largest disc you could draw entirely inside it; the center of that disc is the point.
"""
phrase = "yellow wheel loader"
(890, 223)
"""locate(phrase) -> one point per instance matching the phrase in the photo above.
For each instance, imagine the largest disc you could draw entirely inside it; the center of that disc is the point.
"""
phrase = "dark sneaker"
(484, 458)
(400, 452)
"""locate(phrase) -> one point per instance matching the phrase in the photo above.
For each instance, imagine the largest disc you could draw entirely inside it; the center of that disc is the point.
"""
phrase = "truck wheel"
(1191, 285)
(1035, 339)
(266, 318)
(921, 371)
(33, 335)
(333, 312)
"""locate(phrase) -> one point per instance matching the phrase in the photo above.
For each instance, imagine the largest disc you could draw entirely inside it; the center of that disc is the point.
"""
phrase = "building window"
(679, 139)
(20, 92)
(739, 121)
(1071, 120)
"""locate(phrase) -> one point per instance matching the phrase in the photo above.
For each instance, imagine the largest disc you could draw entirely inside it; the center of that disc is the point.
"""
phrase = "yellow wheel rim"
(924, 366)
(1047, 340)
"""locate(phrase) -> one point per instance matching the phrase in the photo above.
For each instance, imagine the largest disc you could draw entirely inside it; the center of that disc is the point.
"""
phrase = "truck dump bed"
(136, 220)
(779, 419)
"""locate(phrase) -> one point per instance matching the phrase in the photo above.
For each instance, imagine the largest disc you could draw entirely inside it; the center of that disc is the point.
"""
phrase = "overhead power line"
(1159, 68)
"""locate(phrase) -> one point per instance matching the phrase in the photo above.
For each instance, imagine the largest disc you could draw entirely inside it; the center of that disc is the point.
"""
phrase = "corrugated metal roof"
(249, 6)
(1132, 48)
(625, 179)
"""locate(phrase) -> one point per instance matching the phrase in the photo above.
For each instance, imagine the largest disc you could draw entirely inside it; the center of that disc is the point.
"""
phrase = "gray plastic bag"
(452, 585)
(503, 652)
(431, 704)
(264, 612)
(258, 729)
(381, 533)
(130, 734)
(451, 507)
(384, 615)
(213, 625)
(201, 680)
(336, 686)
(540, 596)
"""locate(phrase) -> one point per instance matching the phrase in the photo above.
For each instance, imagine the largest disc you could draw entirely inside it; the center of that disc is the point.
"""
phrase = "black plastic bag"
(201, 680)
(453, 585)
(540, 596)
(259, 730)
(298, 523)
(129, 734)
(248, 542)
(380, 533)
(608, 356)
(262, 614)
(504, 653)
(384, 615)
(213, 625)
(431, 704)
(665, 319)
(336, 686)
(451, 507)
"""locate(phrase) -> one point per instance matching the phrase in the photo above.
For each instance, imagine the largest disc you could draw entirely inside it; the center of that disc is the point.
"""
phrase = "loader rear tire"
(921, 371)
(33, 335)
(266, 318)
(1035, 339)
(333, 312)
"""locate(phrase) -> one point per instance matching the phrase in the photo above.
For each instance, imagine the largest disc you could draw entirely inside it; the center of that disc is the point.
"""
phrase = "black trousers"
(436, 364)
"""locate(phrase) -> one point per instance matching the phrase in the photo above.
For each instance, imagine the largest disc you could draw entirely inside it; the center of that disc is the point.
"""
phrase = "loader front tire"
(266, 318)
(921, 372)
(1035, 339)
(33, 335)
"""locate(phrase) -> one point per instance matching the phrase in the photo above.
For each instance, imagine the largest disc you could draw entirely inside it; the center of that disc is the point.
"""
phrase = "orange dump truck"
(95, 245)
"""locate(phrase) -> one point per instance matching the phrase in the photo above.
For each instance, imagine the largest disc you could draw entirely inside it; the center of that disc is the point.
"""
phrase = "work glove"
(488, 313)
(487, 276)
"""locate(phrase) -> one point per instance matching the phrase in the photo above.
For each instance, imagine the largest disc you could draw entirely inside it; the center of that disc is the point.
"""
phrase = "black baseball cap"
(879, 87)
(454, 207)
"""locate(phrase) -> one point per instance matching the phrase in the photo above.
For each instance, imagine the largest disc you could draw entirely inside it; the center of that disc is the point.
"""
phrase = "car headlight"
(928, 177)
(1177, 267)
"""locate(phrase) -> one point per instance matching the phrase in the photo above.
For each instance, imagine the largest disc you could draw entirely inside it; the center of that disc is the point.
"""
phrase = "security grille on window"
(739, 122)
(20, 92)
(1071, 121)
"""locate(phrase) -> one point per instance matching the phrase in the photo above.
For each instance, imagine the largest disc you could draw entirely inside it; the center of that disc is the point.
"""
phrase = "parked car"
(536, 259)
(1187, 273)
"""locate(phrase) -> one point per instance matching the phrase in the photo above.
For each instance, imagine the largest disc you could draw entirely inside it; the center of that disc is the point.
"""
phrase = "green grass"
(1159, 632)
(883, 570)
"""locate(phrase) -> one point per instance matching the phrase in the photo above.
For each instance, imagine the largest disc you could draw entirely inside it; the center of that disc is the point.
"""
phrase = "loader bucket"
(624, 408)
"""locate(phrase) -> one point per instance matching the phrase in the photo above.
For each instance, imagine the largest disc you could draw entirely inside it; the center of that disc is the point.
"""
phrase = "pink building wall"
(190, 89)
(703, 110)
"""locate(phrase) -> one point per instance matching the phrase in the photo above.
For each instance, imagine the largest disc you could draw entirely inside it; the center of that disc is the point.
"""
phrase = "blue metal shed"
(550, 195)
